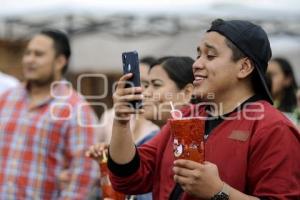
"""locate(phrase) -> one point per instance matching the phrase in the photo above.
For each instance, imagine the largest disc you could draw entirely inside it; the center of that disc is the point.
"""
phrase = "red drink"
(107, 190)
(188, 134)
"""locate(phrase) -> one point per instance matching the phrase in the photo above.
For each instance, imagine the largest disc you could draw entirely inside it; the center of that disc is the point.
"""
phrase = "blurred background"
(101, 30)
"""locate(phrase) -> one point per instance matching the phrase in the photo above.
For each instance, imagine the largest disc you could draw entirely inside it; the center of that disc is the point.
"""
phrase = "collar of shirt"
(59, 90)
(253, 98)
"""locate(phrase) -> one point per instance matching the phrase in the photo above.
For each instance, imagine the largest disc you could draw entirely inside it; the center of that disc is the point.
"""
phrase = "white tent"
(101, 30)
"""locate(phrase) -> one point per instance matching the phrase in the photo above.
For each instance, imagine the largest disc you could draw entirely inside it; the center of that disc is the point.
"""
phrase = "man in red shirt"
(252, 151)
(45, 126)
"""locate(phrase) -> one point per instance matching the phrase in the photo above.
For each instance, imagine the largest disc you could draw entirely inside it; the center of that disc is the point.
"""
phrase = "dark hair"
(289, 99)
(148, 60)
(179, 69)
(61, 44)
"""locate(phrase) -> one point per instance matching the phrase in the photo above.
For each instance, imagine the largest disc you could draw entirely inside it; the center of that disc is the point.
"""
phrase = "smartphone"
(131, 65)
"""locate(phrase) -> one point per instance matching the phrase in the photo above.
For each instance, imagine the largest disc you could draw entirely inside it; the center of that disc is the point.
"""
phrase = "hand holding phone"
(131, 65)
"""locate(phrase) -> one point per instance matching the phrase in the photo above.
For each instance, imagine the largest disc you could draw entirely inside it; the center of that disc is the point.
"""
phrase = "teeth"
(199, 78)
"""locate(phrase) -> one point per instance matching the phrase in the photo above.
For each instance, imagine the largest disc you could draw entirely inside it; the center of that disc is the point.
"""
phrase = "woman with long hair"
(284, 86)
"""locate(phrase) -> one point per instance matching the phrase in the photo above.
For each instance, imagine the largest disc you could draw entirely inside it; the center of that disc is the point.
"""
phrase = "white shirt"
(7, 82)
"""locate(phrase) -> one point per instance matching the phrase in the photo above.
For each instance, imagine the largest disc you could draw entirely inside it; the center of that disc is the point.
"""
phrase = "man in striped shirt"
(45, 127)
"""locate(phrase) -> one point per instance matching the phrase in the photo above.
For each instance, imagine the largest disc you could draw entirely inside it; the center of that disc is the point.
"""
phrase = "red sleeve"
(141, 180)
(274, 163)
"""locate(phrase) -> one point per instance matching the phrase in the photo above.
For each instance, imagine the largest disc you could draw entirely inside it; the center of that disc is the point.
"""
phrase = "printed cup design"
(188, 134)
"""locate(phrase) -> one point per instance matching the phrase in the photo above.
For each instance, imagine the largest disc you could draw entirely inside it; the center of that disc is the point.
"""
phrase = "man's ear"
(246, 67)
(60, 62)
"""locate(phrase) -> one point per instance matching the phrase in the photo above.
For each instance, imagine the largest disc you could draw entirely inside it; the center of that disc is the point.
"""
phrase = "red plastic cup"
(188, 134)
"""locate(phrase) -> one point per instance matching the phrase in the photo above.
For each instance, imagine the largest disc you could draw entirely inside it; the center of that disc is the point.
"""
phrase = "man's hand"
(122, 98)
(200, 180)
(64, 179)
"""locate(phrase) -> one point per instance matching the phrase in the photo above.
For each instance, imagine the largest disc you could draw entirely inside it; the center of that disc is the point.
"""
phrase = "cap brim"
(264, 89)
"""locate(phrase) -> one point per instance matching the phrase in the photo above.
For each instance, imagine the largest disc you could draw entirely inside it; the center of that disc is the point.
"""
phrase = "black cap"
(253, 41)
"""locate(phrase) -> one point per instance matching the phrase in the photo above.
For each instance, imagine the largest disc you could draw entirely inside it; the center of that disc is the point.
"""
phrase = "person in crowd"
(7, 82)
(170, 79)
(284, 86)
(140, 126)
(45, 127)
(249, 144)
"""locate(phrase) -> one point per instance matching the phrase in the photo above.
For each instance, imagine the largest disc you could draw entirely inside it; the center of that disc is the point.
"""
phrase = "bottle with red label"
(106, 187)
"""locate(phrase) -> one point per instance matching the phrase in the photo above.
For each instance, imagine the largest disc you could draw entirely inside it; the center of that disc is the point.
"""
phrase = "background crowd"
(47, 124)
